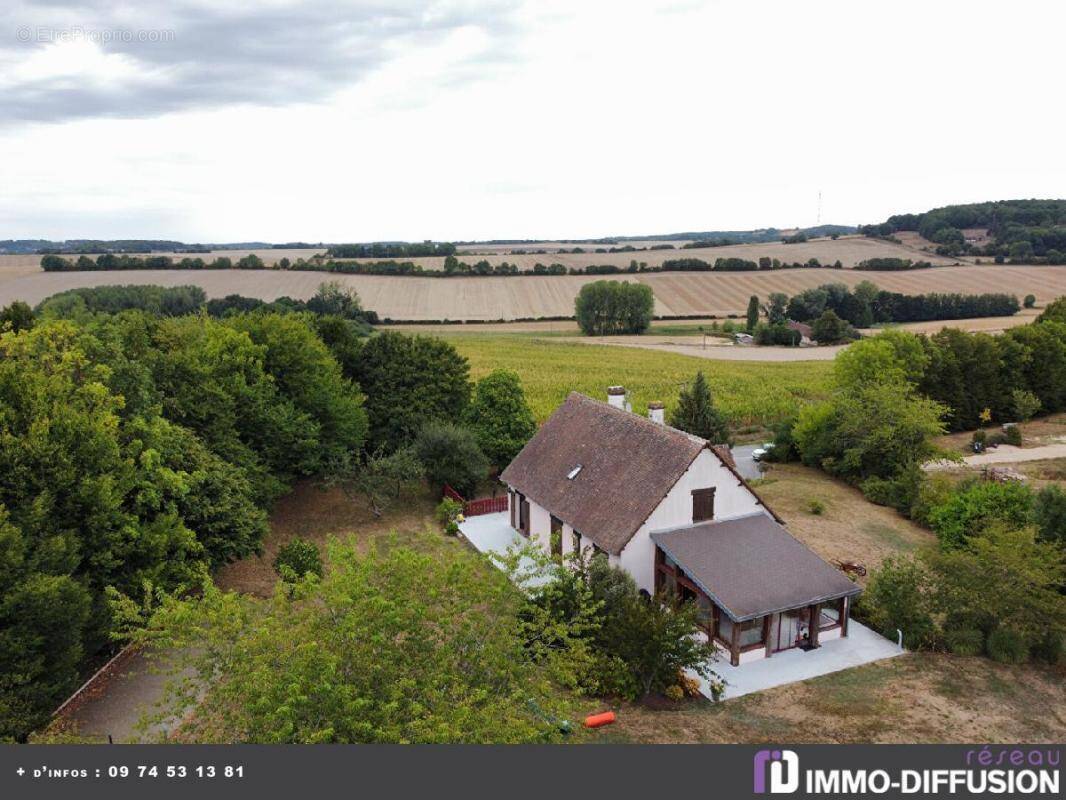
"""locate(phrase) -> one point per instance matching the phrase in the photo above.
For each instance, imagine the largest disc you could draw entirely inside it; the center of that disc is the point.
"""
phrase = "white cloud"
(559, 119)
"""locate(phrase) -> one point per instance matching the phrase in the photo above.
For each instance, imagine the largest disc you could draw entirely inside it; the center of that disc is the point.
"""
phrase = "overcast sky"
(324, 120)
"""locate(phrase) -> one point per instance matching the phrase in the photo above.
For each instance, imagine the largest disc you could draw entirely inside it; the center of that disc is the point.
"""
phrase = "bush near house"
(623, 642)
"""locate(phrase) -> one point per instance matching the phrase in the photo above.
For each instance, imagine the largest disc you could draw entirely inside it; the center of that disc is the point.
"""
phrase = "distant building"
(805, 331)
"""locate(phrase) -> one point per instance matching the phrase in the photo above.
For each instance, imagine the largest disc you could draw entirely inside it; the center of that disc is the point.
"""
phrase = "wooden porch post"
(816, 616)
(844, 618)
(767, 627)
(734, 646)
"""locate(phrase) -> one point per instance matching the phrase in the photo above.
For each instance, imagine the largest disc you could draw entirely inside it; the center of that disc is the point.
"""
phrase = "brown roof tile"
(628, 464)
(752, 566)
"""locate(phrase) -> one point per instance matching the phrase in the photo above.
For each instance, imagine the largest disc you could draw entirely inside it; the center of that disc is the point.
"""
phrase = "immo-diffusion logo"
(1011, 771)
(783, 770)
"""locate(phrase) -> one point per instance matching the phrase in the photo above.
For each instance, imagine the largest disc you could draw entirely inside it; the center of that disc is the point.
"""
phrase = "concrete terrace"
(860, 646)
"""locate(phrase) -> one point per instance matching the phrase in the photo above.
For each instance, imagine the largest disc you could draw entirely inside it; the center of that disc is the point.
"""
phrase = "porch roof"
(752, 566)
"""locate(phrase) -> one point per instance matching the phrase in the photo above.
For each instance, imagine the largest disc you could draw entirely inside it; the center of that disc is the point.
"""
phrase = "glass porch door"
(791, 627)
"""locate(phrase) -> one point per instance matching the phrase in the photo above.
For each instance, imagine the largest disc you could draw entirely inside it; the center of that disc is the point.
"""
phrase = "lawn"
(848, 527)
(750, 393)
(915, 698)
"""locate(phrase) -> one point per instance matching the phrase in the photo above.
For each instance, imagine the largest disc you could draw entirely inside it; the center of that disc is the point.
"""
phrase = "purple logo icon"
(783, 769)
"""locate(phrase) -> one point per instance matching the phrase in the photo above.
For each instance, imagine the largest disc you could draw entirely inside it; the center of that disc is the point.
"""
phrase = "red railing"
(473, 508)
(487, 505)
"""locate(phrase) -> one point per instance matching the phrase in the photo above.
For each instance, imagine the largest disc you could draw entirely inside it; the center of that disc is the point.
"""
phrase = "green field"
(750, 393)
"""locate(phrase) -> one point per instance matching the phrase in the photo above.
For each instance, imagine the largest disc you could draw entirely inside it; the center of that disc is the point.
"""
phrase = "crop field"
(750, 393)
(525, 297)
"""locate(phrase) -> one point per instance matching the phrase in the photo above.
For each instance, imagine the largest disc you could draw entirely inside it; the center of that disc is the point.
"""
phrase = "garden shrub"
(1012, 434)
(965, 641)
(816, 507)
(974, 506)
(297, 558)
(447, 510)
(897, 597)
(1007, 646)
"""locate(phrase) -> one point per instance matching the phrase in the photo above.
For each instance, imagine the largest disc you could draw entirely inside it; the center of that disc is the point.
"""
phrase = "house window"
(752, 633)
(702, 504)
(556, 536)
(576, 537)
(831, 614)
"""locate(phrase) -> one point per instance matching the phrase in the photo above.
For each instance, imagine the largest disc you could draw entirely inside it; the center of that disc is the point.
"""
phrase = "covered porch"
(759, 590)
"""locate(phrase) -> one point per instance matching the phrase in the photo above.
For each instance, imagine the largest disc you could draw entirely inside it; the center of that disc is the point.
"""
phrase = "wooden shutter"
(513, 504)
(524, 521)
(702, 504)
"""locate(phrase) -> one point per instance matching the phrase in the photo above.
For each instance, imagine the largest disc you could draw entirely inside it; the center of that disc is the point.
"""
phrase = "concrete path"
(116, 708)
(860, 646)
(1005, 454)
(492, 534)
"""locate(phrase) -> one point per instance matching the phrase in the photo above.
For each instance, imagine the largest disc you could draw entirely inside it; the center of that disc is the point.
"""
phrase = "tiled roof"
(628, 464)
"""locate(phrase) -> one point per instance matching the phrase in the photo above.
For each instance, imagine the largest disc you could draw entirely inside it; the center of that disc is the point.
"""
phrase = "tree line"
(1024, 231)
(144, 442)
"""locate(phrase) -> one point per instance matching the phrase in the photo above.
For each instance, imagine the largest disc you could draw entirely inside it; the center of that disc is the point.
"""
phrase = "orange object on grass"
(599, 720)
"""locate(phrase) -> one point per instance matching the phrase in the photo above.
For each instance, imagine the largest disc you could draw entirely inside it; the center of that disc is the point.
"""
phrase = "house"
(805, 331)
(672, 511)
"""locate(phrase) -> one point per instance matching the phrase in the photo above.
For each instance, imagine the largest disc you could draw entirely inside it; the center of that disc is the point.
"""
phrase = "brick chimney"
(616, 396)
(656, 413)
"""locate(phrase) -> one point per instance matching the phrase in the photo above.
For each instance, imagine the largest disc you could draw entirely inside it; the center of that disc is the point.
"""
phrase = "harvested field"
(32, 263)
(849, 250)
(495, 298)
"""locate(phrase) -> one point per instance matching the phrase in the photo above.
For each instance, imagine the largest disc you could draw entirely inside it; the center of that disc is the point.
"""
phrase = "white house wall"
(731, 499)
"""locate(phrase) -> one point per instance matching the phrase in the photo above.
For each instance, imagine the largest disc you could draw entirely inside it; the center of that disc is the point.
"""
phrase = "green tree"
(889, 356)
(450, 455)
(1049, 514)
(16, 317)
(877, 430)
(296, 558)
(1005, 578)
(829, 328)
(696, 413)
(974, 507)
(1055, 311)
(409, 380)
(899, 597)
(306, 374)
(501, 417)
(753, 313)
(382, 478)
(614, 307)
(1025, 404)
(391, 646)
(776, 308)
